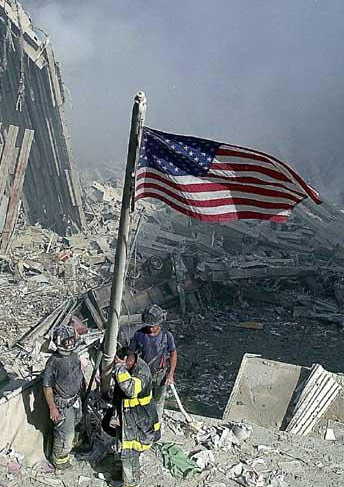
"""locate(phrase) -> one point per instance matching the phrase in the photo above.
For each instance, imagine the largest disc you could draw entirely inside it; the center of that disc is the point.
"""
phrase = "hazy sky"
(267, 74)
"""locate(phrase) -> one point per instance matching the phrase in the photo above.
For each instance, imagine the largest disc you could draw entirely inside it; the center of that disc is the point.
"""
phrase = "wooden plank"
(16, 189)
(3, 210)
(42, 327)
(13, 163)
(7, 155)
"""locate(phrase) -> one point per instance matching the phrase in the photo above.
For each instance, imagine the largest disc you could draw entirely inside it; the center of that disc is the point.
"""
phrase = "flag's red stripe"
(252, 180)
(222, 217)
(225, 166)
(245, 155)
(215, 202)
(261, 156)
(210, 187)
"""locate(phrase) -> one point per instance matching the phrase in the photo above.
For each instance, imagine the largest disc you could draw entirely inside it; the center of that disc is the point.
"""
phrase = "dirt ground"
(211, 348)
(284, 460)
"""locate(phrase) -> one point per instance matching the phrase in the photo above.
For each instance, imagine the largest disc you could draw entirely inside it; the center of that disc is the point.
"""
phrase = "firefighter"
(63, 382)
(138, 419)
(157, 348)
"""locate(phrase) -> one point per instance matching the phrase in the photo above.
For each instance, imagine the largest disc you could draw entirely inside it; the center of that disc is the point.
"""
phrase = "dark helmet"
(65, 339)
(122, 352)
(154, 315)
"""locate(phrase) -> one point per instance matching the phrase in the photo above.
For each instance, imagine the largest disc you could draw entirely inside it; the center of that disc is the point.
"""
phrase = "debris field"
(256, 308)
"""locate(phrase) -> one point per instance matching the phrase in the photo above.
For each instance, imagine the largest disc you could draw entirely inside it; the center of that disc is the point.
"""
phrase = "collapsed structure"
(221, 283)
(32, 98)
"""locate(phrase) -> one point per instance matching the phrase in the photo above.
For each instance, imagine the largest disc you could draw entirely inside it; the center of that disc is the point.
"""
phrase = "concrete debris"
(335, 431)
(174, 263)
(204, 459)
(319, 391)
(245, 476)
(233, 291)
(278, 395)
(224, 437)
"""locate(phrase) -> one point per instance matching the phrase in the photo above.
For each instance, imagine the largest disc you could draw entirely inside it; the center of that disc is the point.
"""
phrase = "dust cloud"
(266, 74)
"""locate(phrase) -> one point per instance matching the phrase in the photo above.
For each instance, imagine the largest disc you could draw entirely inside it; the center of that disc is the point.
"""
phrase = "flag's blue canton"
(176, 155)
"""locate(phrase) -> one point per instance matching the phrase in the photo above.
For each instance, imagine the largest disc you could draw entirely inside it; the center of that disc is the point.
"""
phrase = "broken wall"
(24, 423)
(268, 393)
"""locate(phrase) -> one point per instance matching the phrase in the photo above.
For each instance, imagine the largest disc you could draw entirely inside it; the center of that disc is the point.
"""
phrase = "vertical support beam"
(7, 155)
(16, 189)
(122, 248)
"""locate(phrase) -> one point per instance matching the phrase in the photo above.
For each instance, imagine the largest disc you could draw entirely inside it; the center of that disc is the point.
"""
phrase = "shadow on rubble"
(37, 414)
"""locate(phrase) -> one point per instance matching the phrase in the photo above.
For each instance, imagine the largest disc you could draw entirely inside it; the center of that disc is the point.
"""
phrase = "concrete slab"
(262, 391)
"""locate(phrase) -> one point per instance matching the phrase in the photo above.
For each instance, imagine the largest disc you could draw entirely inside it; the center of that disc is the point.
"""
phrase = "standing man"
(138, 419)
(63, 382)
(157, 348)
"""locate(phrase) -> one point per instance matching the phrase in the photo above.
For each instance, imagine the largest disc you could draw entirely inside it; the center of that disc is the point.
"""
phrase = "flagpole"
(122, 248)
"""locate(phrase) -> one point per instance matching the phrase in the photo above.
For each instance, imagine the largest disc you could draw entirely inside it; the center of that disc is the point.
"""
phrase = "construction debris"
(319, 391)
(232, 291)
(279, 395)
(262, 459)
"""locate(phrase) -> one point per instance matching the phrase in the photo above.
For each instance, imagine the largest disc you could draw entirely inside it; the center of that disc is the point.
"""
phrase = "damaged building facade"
(32, 98)
(255, 307)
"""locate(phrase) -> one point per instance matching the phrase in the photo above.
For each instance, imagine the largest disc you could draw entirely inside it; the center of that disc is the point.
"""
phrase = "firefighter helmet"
(154, 315)
(65, 339)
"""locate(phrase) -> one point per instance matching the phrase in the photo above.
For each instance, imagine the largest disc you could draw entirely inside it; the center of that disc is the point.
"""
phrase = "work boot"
(63, 466)
(62, 463)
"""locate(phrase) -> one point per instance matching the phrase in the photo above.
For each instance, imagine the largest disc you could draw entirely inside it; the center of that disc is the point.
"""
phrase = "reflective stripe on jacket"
(139, 420)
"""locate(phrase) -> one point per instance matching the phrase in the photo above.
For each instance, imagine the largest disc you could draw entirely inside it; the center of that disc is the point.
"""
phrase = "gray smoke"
(265, 74)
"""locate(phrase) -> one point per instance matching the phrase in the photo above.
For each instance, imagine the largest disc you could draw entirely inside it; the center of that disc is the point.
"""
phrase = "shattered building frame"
(32, 98)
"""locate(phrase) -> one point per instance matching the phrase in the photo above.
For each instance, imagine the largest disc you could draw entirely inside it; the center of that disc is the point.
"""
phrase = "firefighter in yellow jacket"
(137, 413)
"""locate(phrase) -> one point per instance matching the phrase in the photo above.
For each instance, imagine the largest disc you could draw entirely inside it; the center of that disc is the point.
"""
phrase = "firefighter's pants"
(159, 390)
(64, 433)
(131, 468)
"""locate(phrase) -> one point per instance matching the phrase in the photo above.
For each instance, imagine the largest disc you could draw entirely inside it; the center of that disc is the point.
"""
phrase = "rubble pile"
(297, 266)
(43, 271)
(219, 454)
(218, 282)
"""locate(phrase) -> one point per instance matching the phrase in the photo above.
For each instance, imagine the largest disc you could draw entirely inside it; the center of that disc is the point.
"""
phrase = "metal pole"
(122, 250)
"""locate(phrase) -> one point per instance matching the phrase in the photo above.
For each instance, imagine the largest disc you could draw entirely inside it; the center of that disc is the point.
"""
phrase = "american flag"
(217, 182)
